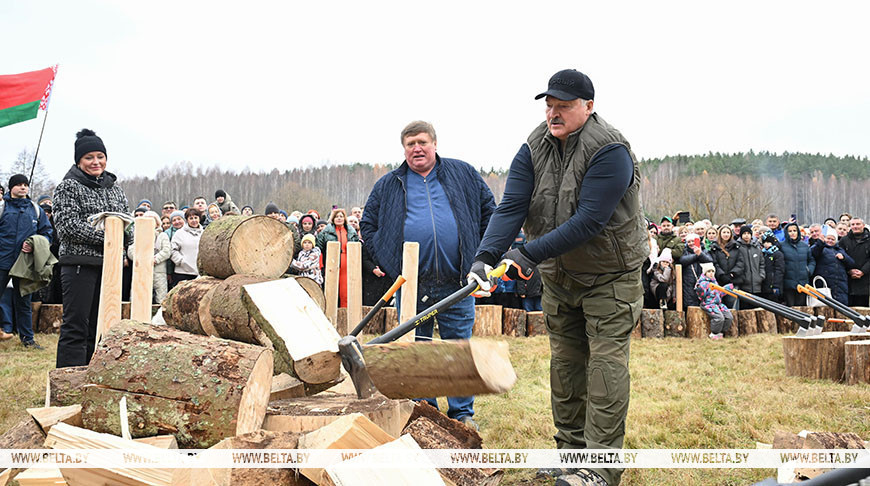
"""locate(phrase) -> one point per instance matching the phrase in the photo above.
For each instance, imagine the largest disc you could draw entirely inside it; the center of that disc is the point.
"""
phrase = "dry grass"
(685, 394)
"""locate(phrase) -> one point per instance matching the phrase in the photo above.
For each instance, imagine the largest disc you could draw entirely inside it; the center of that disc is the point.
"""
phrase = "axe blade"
(352, 358)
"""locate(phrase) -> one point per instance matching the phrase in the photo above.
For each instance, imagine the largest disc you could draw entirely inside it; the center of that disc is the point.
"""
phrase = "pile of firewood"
(247, 361)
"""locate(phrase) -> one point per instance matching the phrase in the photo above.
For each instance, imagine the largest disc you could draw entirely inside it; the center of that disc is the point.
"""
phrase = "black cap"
(271, 208)
(569, 84)
(745, 229)
(220, 193)
(18, 179)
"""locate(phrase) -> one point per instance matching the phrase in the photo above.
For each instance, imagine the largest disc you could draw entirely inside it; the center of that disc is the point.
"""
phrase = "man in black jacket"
(857, 245)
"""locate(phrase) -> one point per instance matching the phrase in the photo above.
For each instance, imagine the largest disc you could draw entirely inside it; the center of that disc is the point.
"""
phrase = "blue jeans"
(532, 304)
(453, 323)
(20, 307)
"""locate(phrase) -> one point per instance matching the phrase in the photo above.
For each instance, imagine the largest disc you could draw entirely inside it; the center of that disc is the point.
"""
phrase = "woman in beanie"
(86, 189)
(831, 264)
(338, 230)
(185, 247)
(774, 267)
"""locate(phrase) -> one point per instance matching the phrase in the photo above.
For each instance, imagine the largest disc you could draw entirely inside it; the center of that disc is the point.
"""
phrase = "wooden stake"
(354, 284)
(679, 269)
(143, 270)
(410, 269)
(110, 284)
(333, 260)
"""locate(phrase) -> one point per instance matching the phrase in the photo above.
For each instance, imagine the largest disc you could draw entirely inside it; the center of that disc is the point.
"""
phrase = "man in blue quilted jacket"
(444, 205)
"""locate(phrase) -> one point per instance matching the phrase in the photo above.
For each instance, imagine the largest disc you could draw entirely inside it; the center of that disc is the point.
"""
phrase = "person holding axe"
(576, 186)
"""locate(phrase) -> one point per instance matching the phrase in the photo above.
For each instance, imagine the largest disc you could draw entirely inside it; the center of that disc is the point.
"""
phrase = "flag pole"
(33, 167)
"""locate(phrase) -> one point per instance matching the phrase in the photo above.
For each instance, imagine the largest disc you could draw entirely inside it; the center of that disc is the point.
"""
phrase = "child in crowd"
(663, 283)
(711, 302)
(307, 262)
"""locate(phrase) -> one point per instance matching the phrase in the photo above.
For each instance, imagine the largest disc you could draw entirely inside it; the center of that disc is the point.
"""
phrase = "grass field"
(685, 394)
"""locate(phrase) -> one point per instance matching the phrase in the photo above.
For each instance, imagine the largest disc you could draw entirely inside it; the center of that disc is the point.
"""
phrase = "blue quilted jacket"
(383, 221)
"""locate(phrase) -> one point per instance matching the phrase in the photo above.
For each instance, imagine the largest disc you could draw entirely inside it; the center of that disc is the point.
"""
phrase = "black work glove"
(478, 275)
(520, 266)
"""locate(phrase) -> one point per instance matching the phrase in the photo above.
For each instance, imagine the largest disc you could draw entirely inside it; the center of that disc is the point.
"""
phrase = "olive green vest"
(622, 245)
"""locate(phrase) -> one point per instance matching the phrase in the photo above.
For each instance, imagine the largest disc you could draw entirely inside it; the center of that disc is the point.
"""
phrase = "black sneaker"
(32, 344)
(581, 477)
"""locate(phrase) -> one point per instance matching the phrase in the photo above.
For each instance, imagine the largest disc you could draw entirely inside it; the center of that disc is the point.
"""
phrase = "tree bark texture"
(857, 362)
(513, 322)
(487, 320)
(820, 357)
(535, 324)
(430, 435)
(199, 389)
(65, 385)
(674, 323)
(652, 323)
(747, 322)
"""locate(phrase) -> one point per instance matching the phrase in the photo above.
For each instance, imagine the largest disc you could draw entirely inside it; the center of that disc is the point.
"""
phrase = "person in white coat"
(185, 247)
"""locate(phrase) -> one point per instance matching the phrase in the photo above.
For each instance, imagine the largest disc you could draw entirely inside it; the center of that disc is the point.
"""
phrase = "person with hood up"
(831, 264)
(774, 267)
(224, 202)
(799, 265)
(307, 224)
(86, 189)
(711, 301)
(185, 247)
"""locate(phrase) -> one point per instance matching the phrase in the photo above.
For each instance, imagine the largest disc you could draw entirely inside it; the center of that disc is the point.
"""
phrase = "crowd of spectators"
(769, 258)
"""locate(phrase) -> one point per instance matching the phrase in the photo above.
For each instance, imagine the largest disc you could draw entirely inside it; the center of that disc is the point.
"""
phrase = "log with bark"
(513, 322)
(50, 318)
(312, 288)
(65, 385)
(747, 322)
(27, 434)
(440, 368)
(697, 323)
(785, 326)
(376, 324)
(468, 437)
(301, 415)
(255, 245)
(259, 439)
(430, 435)
(674, 323)
(734, 330)
(652, 323)
(186, 306)
(200, 389)
(229, 314)
(765, 321)
(487, 320)
(820, 357)
(825, 311)
(391, 318)
(297, 328)
(535, 324)
(857, 362)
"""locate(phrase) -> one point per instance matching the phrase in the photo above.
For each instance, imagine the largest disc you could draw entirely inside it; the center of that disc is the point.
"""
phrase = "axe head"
(352, 359)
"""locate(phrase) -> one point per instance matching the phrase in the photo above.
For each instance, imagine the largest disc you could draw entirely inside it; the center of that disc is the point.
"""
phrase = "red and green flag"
(23, 95)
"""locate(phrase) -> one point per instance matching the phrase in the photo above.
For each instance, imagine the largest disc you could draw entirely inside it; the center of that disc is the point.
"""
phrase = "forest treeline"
(716, 186)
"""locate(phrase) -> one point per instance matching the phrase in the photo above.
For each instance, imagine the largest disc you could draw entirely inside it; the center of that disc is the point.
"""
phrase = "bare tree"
(41, 183)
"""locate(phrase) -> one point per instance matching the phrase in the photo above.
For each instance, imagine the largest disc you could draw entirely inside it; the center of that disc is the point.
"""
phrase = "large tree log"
(697, 323)
(440, 368)
(430, 435)
(198, 388)
(65, 385)
(255, 245)
(765, 321)
(513, 322)
(652, 323)
(734, 330)
(301, 415)
(27, 434)
(535, 324)
(820, 357)
(487, 320)
(63, 436)
(260, 439)
(857, 362)
(50, 318)
(824, 311)
(296, 327)
(674, 323)
(186, 307)
(376, 324)
(468, 437)
(747, 321)
(229, 314)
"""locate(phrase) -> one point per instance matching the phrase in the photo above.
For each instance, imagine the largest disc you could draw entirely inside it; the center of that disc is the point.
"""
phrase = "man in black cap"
(21, 218)
(224, 202)
(576, 186)
(668, 239)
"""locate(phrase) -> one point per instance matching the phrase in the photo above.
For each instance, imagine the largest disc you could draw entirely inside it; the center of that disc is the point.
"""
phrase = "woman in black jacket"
(86, 189)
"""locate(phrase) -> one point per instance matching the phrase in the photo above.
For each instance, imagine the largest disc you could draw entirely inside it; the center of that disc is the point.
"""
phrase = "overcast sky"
(295, 84)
